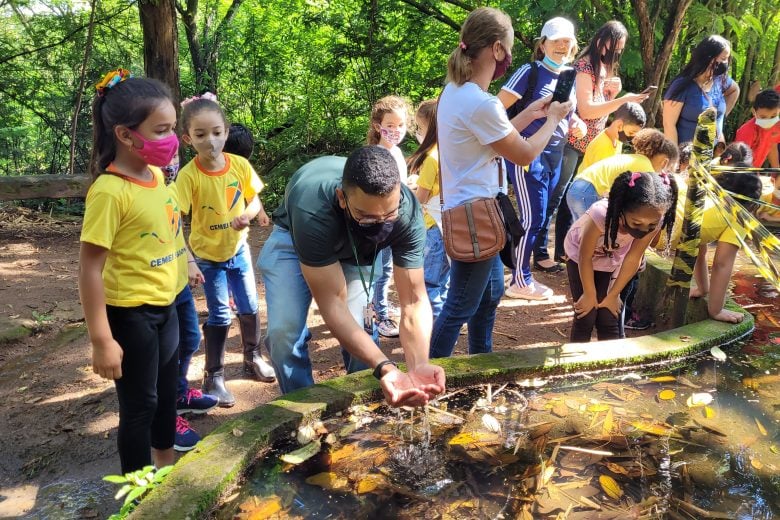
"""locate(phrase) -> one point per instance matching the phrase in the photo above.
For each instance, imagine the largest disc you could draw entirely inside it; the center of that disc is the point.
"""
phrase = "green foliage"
(134, 486)
(303, 74)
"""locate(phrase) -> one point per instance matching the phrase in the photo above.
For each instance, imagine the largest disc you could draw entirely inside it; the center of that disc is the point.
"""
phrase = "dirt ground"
(58, 420)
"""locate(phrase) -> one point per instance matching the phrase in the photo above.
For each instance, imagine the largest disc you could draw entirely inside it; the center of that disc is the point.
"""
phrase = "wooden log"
(43, 186)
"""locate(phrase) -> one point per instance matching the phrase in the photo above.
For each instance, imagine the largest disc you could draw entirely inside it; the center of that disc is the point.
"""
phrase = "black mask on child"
(719, 68)
(623, 138)
(634, 232)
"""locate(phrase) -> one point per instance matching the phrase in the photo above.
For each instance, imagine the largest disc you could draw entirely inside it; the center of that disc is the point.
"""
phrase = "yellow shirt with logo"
(602, 174)
(181, 247)
(600, 148)
(429, 180)
(214, 199)
(137, 222)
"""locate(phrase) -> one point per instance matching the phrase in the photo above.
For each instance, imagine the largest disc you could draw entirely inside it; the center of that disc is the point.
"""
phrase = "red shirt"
(760, 140)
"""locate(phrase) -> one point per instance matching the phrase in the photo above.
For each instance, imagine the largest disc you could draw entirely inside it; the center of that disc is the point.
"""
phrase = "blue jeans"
(288, 299)
(235, 272)
(382, 285)
(475, 290)
(534, 189)
(563, 221)
(436, 269)
(189, 335)
(580, 197)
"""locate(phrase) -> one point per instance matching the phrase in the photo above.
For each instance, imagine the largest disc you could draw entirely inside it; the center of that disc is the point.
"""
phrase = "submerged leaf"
(718, 354)
(606, 428)
(610, 487)
(302, 454)
(491, 423)
(665, 395)
(598, 407)
(760, 427)
(371, 483)
(663, 379)
(329, 480)
(699, 399)
(708, 412)
(472, 438)
(261, 508)
(657, 429)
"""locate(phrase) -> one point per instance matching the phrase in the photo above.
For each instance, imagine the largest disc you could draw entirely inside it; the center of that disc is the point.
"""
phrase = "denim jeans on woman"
(580, 198)
(288, 299)
(436, 269)
(474, 293)
(534, 187)
(235, 272)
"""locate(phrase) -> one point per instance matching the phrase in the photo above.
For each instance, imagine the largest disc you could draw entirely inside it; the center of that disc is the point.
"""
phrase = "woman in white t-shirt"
(473, 133)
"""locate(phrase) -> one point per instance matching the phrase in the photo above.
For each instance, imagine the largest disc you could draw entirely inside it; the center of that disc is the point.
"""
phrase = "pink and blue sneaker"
(195, 401)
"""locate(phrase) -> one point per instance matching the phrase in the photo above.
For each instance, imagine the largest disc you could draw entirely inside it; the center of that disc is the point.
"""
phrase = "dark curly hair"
(649, 189)
(650, 142)
(372, 169)
(747, 184)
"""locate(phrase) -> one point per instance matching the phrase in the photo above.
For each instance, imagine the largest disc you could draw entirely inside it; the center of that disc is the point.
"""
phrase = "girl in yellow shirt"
(127, 263)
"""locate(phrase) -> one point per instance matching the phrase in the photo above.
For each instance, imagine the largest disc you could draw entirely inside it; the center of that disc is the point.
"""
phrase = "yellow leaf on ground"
(610, 487)
(665, 395)
(329, 480)
(760, 427)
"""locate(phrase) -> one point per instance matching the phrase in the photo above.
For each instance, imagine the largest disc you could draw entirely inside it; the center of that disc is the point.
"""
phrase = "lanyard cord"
(366, 287)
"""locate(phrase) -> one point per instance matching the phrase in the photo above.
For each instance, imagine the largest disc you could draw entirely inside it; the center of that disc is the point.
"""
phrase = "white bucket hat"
(556, 28)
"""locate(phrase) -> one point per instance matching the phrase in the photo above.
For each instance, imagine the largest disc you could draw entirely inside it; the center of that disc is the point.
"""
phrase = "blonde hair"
(483, 27)
(384, 106)
(539, 49)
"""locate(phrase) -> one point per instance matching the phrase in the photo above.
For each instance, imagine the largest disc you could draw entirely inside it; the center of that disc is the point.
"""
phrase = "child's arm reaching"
(252, 209)
(700, 274)
(628, 269)
(587, 302)
(106, 352)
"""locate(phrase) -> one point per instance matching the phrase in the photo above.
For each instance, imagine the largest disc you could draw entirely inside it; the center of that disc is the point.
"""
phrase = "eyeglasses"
(370, 221)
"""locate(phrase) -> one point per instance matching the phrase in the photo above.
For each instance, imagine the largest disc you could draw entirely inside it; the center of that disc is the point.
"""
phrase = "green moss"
(215, 467)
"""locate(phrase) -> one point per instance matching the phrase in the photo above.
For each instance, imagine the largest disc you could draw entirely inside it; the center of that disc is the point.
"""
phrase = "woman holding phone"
(534, 185)
(597, 87)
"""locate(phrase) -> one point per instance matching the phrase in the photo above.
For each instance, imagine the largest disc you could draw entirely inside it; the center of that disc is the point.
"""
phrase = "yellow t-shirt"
(137, 222)
(765, 212)
(214, 199)
(429, 180)
(714, 228)
(181, 247)
(600, 148)
(602, 174)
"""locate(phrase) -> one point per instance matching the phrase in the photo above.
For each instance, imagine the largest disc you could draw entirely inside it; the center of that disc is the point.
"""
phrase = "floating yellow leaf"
(598, 407)
(329, 480)
(660, 430)
(472, 438)
(666, 395)
(708, 412)
(302, 454)
(699, 399)
(610, 487)
(663, 379)
(760, 427)
(370, 483)
(606, 428)
(260, 509)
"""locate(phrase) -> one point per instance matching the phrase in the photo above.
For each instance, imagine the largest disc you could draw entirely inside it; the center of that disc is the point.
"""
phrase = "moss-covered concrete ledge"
(205, 474)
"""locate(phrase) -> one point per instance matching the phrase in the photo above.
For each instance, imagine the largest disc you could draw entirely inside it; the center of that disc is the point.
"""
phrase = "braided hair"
(634, 190)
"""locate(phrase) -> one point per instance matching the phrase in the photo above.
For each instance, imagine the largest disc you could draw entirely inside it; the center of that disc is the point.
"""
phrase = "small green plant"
(134, 486)
(41, 317)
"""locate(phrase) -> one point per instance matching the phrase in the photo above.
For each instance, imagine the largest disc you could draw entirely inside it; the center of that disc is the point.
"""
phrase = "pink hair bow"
(634, 177)
(463, 46)
(207, 95)
(665, 178)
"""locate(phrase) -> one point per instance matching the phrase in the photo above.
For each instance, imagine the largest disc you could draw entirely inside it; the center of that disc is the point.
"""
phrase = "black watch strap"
(378, 369)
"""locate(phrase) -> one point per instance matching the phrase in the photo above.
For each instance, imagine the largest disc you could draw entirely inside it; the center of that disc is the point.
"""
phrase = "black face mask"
(719, 68)
(607, 60)
(623, 138)
(634, 232)
(375, 233)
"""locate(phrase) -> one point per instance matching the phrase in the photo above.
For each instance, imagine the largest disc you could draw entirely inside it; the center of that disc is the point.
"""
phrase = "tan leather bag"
(473, 231)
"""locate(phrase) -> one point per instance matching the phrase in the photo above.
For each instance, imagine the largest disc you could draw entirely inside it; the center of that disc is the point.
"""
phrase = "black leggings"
(607, 325)
(149, 337)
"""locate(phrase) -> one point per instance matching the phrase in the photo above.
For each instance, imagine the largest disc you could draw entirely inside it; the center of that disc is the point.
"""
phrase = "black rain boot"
(255, 366)
(215, 336)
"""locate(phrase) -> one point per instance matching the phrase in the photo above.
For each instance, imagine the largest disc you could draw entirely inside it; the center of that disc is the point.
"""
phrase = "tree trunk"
(19, 187)
(161, 43)
(74, 125)
(676, 295)
(776, 67)
(656, 65)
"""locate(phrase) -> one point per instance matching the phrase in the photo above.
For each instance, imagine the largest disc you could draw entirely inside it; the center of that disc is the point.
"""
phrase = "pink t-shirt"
(603, 260)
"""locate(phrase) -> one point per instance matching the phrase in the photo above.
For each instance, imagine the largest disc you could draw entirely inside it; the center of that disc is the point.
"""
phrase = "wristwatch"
(378, 369)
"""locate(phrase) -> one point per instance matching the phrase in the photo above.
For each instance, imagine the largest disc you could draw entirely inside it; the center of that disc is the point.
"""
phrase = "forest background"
(302, 74)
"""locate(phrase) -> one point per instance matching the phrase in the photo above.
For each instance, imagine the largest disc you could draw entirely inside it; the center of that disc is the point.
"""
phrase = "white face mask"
(767, 122)
(391, 136)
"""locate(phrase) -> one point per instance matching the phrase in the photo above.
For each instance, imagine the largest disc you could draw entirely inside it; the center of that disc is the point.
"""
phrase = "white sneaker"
(533, 291)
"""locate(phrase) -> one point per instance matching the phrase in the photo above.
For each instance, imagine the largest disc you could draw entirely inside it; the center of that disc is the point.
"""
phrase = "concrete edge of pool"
(211, 470)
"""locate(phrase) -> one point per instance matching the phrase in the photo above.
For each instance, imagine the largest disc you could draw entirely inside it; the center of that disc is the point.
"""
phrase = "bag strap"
(522, 103)
(499, 160)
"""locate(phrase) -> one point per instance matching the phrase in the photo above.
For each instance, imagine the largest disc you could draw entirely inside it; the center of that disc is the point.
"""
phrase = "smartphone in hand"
(565, 84)
(649, 90)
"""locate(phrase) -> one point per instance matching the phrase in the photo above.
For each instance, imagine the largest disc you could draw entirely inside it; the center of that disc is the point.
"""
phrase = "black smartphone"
(650, 89)
(565, 84)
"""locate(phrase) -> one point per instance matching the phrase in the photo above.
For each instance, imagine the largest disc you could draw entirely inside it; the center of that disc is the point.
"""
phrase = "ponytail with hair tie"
(112, 79)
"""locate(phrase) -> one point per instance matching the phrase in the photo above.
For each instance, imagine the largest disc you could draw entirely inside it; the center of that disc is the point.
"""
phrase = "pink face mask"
(158, 152)
(391, 136)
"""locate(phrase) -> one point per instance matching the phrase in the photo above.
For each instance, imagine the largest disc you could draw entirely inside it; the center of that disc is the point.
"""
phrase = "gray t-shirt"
(311, 213)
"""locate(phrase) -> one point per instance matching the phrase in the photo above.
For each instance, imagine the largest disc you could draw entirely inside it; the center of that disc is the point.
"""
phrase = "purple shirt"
(603, 260)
